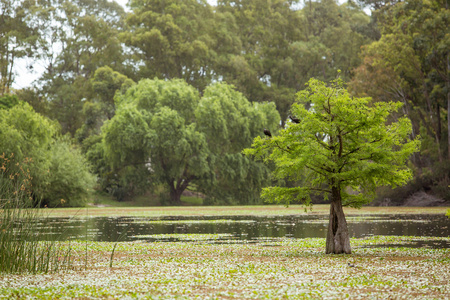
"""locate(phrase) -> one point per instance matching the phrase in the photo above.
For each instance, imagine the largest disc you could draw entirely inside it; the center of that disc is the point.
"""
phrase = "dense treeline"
(410, 63)
(165, 96)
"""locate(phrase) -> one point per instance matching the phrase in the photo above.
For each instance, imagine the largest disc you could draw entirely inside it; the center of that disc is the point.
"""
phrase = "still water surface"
(243, 228)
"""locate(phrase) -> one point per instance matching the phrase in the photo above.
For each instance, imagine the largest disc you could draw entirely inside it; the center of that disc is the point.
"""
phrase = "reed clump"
(24, 247)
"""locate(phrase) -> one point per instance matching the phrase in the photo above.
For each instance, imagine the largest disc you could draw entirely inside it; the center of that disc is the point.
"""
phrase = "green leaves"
(230, 122)
(341, 141)
(153, 128)
(69, 178)
(23, 132)
(57, 168)
(173, 39)
(184, 140)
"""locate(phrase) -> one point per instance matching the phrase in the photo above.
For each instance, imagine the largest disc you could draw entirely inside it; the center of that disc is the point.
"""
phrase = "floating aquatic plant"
(288, 268)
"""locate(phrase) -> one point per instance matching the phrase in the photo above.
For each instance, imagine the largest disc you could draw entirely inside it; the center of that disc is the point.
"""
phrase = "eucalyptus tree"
(100, 107)
(284, 43)
(19, 38)
(411, 63)
(343, 148)
(81, 37)
(262, 69)
(105, 83)
(171, 39)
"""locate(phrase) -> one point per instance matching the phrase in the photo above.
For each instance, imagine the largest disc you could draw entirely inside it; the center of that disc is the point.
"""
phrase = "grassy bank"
(287, 268)
(261, 210)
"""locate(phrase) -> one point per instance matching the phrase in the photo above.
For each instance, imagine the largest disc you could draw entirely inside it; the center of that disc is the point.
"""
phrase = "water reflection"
(242, 227)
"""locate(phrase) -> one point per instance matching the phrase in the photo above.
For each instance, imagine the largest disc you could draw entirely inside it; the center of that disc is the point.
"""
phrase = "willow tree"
(164, 133)
(343, 147)
(153, 134)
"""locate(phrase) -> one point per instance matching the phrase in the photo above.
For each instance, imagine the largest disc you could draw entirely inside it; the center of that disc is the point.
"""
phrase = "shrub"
(69, 178)
(58, 170)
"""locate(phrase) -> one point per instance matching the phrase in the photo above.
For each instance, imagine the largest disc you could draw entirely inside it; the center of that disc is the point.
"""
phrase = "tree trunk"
(447, 83)
(175, 196)
(176, 189)
(338, 240)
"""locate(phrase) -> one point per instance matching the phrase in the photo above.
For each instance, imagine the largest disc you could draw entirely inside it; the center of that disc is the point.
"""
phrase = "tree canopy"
(57, 169)
(230, 122)
(165, 129)
(84, 52)
(344, 147)
(409, 64)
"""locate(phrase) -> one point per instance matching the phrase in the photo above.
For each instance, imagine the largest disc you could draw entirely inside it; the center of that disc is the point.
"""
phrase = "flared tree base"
(338, 240)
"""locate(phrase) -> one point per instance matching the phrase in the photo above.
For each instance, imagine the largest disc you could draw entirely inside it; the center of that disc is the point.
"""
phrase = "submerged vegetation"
(212, 266)
(287, 268)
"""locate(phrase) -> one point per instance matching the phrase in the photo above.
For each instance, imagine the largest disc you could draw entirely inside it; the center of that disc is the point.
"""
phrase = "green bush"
(8, 101)
(69, 178)
(59, 173)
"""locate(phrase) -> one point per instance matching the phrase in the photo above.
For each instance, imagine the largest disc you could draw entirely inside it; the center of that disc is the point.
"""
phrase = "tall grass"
(24, 248)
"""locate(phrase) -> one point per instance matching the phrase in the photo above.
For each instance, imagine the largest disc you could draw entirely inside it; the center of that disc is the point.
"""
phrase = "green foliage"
(173, 39)
(283, 46)
(409, 64)
(106, 82)
(230, 122)
(58, 170)
(19, 38)
(66, 102)
(164, 132)
(153, 131)
(33, 97)
(83, 37)
(8, 101)
(24, 132)
(69, 179)
(101, 107)
(342, 142)
(267, 49)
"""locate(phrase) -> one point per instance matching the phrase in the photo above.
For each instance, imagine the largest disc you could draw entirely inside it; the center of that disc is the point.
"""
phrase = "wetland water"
(240, 229)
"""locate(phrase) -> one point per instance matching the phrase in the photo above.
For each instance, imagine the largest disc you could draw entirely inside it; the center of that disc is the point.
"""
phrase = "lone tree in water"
(343, 148)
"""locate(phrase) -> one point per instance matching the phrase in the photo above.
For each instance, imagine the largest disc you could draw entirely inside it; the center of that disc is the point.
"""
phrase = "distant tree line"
(169, 93)
(410, 64)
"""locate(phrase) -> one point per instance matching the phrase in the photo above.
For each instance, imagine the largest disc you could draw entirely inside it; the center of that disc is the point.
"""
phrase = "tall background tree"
(172, 39)
(284, 43)
(410, 64)
(19, 38)
(81, 37)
